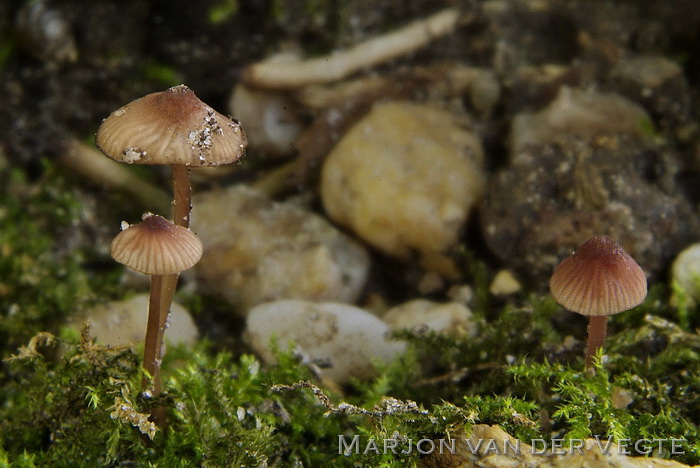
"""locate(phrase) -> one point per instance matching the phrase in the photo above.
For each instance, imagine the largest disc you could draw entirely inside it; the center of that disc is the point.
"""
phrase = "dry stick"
(597, 329)
(90, 163)
(338, 65)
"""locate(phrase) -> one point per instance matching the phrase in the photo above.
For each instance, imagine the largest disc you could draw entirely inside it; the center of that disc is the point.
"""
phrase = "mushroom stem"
(163, 286)
(152, 349)
(182, 195)
(597, 329)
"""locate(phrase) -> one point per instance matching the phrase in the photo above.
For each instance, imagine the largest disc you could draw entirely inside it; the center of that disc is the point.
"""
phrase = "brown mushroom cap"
(156, 246)
(171, 127)
(600, 278)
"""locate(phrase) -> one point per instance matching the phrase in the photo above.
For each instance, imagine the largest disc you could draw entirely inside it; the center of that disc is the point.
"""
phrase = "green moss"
(66, 401)
(225, 410)
(161, 73)
(222, 11)
(41, 280)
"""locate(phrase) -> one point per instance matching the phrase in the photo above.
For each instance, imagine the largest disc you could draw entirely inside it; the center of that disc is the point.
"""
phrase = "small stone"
(257, 250)
(504, 283)
(451, 318)
(584, 113)
(404, 178)
(462, 293)
(657, 82)
(686, 271)
(430, 282)
(621, 398)
(124, 323)
(272, 120)
(340, 340)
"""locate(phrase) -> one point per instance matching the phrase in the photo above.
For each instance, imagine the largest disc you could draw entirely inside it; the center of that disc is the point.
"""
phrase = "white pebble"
(342, 339)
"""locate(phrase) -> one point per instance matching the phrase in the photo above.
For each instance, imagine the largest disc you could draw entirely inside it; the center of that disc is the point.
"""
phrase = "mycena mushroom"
(172, 127)
(156, 247)
(598, 280)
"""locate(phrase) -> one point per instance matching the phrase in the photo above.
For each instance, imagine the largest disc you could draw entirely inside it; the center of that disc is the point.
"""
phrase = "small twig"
(124, 411)
(30, 351)
(90, 163)
(94, 353)
(387, 406)
(339, 65)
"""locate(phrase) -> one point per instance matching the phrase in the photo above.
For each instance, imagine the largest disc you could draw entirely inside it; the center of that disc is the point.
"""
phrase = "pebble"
(685, 270)
(579, 112)
(504, 283)
(451, 318)
(271, 120)
(404, 179)
(258, 250)
(658, 83)
(341, 341)
(124, 323)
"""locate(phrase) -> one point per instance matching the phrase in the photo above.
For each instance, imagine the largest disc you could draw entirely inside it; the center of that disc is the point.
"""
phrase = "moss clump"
(60, 411)
(67, 401)
(85, 407)
(41, 281)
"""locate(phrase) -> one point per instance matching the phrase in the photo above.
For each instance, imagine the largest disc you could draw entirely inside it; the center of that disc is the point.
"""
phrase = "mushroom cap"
(156, 246)
(600, 278)
(171, 127)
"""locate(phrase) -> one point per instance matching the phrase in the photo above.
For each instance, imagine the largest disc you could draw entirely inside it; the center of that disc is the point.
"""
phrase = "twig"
(90, 163)
(387, 406)
(338, 65)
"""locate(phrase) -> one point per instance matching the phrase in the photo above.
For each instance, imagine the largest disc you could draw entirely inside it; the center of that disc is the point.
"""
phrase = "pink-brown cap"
(156, 246)
(171, 127)
(600, 278)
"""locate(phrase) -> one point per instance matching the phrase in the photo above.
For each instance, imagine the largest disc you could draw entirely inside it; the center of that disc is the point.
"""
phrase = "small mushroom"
(158, 248)
(172, 127)
(598, 280)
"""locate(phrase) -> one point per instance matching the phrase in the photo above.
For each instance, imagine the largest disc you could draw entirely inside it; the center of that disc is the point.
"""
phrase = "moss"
(225, 410)
(68, 401)
(222, 11)
(41, 280)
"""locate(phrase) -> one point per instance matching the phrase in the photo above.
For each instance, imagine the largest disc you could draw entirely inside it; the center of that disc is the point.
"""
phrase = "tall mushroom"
(172, 127)
(156, 247)
(598, 280)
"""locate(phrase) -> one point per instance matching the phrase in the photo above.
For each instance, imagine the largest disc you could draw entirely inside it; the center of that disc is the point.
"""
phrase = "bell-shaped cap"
(171, 127)
(600, 278)
(156, 246)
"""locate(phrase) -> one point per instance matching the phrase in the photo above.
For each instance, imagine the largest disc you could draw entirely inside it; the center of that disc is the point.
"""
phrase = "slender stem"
(163, 290)
(153, 345)
(158, 311)
(182, 195)
(597, 329)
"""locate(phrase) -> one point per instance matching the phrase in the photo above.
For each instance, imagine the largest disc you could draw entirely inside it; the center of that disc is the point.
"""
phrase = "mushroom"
(598, 280)
(172, 127)
(156, 247)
